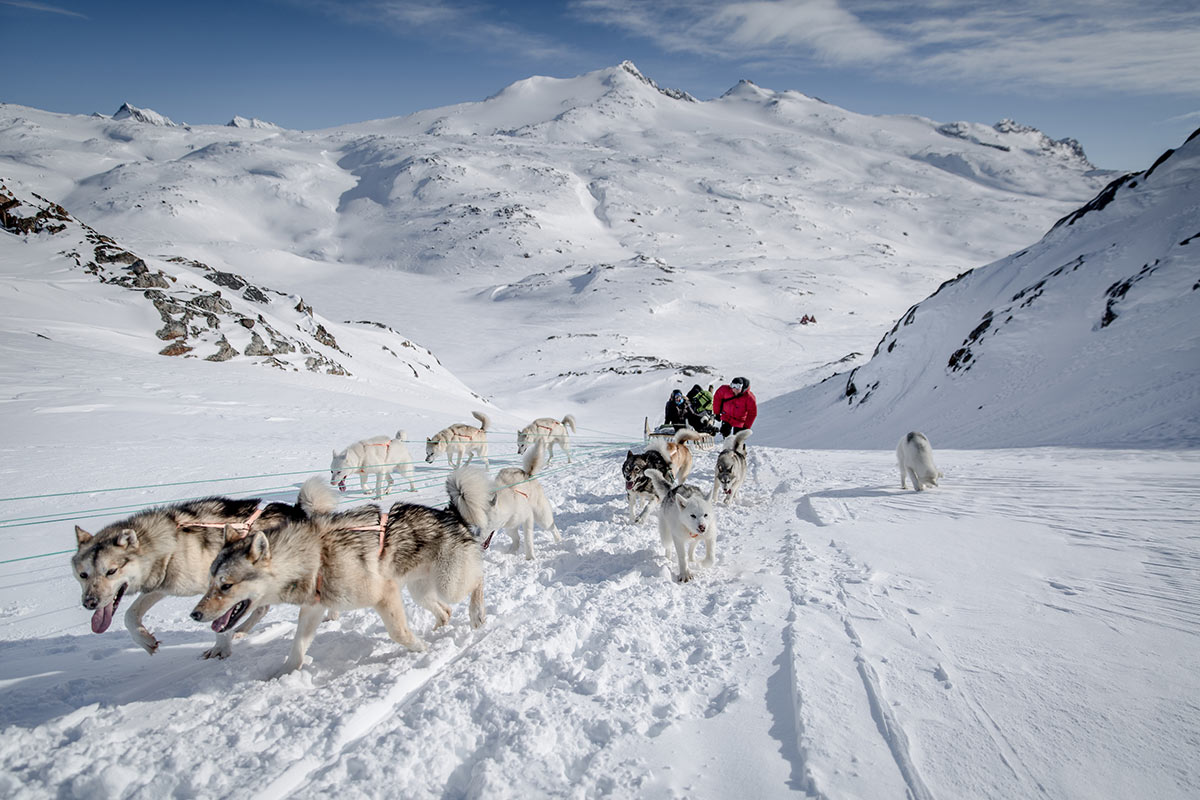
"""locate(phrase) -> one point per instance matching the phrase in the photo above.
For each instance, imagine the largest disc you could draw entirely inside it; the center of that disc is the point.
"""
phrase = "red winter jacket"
(739, 410)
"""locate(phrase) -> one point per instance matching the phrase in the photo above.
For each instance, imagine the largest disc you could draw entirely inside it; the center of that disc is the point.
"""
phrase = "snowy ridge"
(1087, 337)
(144, 115)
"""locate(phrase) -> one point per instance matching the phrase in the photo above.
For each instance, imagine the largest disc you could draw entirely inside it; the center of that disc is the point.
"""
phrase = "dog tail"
(661, 485)
(569, 421)
(687, 435)
(479, 415)
(535, 458)
(737, 441)
(401, 435)
(470, 491)
(316, 497)
(660, 447)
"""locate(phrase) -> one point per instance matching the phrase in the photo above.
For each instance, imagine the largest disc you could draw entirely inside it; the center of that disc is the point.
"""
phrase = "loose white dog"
(379, 456)
(460, 439)
(915, 459)
(549, 431)
(518, 502)
(684, 517)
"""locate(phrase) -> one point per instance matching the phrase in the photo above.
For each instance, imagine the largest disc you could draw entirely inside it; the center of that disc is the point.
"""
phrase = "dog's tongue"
(221, 622)
(102, 618)
(341, 486)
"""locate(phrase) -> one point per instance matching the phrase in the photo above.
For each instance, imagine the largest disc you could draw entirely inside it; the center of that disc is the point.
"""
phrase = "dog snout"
(196, 615)
(91, 602)
(700, 528)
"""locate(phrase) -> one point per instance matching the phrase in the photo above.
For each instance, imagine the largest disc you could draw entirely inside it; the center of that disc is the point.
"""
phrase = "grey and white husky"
(379, 456)
(731, 468)
(357, 559)
(550, 432)
(684, 517)
(914, 456)
(167, 551)
(458, 440)
(518, 501)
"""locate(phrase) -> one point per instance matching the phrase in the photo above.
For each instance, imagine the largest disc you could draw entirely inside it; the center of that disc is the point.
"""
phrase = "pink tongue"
(222, 621)
(102, 618)
(341, 486)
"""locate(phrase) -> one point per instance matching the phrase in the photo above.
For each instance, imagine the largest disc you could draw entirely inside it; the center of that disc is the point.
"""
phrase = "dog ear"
(127, 539)
(82, 537)
(260, 548)
(681, 503)
(231, 535)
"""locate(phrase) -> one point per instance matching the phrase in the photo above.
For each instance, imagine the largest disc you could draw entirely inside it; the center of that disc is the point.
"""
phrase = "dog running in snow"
(731, 468)
(166, 552)
(915, 459)
(518, 502)
(358, 558)
(550, 431)
(684, 517)
(638, 487)
(680, 454)
(459, 439)
(379, 456)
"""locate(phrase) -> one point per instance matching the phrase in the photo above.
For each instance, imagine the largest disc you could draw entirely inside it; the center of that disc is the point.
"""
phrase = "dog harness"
(388, 445)
(381, 527)
(242, 527)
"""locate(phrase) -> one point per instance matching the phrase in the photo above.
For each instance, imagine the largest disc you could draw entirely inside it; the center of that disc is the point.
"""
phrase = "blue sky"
(1121, 76)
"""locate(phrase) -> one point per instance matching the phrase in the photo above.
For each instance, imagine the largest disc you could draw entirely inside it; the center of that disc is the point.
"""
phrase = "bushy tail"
(535, 458)
(470, 491)
(484, 421)
(687, 435)
(661, 485)
(400, 434)
(316, 497)
(737, 441)
(569, 421)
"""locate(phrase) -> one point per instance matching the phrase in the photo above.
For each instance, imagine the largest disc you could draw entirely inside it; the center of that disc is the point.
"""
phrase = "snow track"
(853, 640)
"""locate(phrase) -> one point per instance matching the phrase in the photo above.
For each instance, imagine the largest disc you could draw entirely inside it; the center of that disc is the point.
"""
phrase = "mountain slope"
(1088, 337)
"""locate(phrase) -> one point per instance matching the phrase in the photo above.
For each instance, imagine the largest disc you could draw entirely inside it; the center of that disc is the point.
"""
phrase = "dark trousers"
(728, 430)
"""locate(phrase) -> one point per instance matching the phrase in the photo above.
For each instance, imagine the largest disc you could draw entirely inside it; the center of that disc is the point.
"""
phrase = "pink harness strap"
(243, 527)
(381, 527)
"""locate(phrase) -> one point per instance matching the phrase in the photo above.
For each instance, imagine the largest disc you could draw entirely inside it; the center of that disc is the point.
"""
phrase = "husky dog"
(680, 454)
(637, 485)
(731, 468)
(915, 458)
(167, 551)
(379, 456)
(549, 431)
(458, 439)
(357, 558)
(684, 516)
(518, 502)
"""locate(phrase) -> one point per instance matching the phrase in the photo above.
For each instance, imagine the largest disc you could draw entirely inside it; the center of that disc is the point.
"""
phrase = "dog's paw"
(148, 643)
(685, 576)
(218, 651)
(416, 645)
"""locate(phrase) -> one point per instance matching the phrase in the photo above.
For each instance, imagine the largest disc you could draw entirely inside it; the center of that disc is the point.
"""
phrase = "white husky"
(519, 502)
(459, 439)
(551, 432)
(684, 517)
(379, 456)
(915, 459)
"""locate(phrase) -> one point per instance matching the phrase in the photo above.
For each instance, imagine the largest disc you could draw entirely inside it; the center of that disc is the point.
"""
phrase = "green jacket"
(701, 400)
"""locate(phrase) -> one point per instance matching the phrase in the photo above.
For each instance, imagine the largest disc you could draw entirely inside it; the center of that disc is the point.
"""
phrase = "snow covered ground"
(1027, 629)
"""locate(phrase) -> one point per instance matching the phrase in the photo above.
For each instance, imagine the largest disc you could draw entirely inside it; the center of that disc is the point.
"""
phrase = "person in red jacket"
(734, 405)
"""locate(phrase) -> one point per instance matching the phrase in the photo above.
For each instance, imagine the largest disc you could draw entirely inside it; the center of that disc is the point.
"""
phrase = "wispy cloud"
(42, 7)
(465, 23)
(1136, 46)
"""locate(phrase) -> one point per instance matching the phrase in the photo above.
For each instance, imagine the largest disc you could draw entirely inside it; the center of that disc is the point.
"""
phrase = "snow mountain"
(1088, 337)
(149, 117)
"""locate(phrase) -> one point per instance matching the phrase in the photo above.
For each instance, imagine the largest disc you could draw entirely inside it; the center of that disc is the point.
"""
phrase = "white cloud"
(1147, 46)
(42, 7)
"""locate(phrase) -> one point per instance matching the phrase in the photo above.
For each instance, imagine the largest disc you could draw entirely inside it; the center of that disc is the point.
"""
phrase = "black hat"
(740, 383)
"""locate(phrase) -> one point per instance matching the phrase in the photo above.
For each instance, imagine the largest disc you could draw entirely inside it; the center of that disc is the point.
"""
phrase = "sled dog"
(637, 486)
(551, 432)
(458, 439)
(166, 552)
(915, 458)
(680, 454)
(518, 502)
(379, 456)
(731, 468)
(357, 558)
(684, 517)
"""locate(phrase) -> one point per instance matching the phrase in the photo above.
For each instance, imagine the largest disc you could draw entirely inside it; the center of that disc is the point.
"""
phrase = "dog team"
(243, 557)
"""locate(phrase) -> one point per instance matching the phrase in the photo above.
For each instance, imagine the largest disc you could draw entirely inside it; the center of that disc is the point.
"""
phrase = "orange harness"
(381, 527)
(242, 527)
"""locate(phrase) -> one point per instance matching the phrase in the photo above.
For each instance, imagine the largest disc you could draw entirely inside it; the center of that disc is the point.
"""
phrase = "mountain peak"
(253, 122)
(126, 111)
(1068, 148)
(675, 94)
